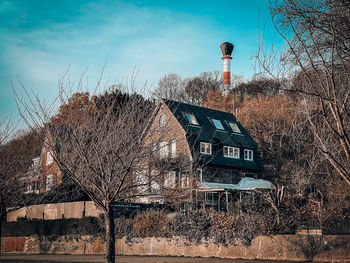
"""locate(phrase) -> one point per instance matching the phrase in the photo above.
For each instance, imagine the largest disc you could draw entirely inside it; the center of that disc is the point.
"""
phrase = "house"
(198, 152)
(30, 181)
(44, 173)
(221, 155)
(50, 174)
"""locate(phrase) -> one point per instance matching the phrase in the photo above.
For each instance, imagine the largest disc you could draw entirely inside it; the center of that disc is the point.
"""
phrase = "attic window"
(191, 119)
(162, 121)
(218, 124)
(231, 152)
(234, 127)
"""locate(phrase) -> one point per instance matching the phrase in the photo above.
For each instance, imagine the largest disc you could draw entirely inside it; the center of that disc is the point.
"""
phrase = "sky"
(41, 40)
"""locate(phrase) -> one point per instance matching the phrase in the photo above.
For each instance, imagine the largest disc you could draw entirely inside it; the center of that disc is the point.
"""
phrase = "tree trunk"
(110, 237)
(0, 234)
(2, 215)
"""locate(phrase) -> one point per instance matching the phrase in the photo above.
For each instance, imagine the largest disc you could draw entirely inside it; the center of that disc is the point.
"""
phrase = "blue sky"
(40, 40)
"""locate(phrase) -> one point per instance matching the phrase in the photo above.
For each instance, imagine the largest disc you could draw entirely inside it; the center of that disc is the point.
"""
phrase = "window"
(154, 183)
(205, 148)
(162, 121)
(248, 155)
(200, 174)
(36, 162)
(49, 158)
(218, 124)
(169, 180)
(155, 186)
(231, 152)
(234, 127)
(163, 149)
(173, 149)
(184, 180)
(141, 182)
(191, 119)
(49, 182)
(32, 187)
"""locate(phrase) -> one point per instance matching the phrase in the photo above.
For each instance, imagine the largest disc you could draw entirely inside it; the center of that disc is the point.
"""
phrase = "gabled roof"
(207, 132)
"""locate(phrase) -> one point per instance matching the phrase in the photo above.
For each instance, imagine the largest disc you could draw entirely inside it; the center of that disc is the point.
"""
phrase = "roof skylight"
(218, 124)
(234, 127)
(191, 119)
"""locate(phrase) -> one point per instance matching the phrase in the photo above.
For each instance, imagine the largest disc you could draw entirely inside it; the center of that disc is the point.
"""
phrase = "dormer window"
(234, 127)
(191, 119)
(162, 121)
(248, 155)
(231, 152)
(205, 148)
(218, 125)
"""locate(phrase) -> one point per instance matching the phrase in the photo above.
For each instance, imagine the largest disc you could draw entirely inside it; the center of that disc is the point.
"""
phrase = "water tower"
(226, 49)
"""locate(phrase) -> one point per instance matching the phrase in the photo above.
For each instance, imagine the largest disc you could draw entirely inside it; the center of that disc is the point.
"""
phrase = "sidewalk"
(126, 259)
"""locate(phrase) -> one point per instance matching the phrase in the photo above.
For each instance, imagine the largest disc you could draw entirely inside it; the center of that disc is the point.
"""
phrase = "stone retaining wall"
(281, 247)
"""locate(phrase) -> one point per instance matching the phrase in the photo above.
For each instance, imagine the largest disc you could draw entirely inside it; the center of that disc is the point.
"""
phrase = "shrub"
(151, 223)
(194, 226)
(124, 227)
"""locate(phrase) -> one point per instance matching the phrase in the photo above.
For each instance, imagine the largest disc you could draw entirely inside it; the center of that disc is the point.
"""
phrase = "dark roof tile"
(206, 132)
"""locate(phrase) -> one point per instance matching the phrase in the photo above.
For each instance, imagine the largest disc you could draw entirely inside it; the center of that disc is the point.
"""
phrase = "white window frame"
(205, 145)
(218, 124)
(173, 149)
(248, 155)
(163, 149)
(49, 182)
(200, 174)
(169, 180)
(141, 181)
(49, 158)
(184, 180)
(191, 119)
(162, 121)
(234, 127)
(232, 152)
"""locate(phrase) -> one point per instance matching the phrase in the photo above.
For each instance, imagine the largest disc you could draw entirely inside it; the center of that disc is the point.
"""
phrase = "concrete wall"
(281, 247)
(55, 211)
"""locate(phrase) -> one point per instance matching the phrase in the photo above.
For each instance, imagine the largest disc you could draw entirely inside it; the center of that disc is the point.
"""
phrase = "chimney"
(226, 49)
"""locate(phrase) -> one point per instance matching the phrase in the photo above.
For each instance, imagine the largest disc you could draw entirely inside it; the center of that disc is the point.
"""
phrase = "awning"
(245, 183)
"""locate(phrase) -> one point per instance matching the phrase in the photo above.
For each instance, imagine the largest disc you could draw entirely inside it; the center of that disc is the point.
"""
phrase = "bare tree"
(191, 90)
(17, 150)
(104, 148)
(169, 87)
(5, 133)
(317, 63)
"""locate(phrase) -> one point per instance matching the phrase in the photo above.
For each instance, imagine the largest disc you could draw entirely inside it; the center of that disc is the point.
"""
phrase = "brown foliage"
(151, 223)
(79, 106)
(217, 101)
(316, 57)
(269, 120)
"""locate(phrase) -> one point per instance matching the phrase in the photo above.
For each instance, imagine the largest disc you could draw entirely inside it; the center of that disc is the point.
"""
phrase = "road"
(126, 259)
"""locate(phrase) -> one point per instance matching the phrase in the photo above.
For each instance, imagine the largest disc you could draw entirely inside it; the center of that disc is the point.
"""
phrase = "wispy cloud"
(39, 42)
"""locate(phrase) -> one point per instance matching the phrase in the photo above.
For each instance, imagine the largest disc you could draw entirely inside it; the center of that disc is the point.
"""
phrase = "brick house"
(50, 174)
(219, 154)
(44, 173)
